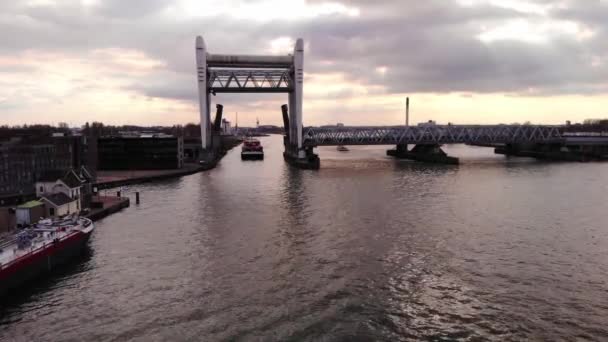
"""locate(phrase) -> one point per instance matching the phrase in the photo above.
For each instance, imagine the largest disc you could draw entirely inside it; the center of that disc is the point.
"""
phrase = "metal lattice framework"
(431, 134)
(254, 81)
(220, 73)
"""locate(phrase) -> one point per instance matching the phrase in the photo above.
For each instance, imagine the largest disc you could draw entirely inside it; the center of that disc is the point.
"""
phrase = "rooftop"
(58, 199)
(30, 204)
(71, 179)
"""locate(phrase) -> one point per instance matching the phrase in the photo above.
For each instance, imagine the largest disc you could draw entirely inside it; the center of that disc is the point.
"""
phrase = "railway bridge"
(285, 74)
(539, 141)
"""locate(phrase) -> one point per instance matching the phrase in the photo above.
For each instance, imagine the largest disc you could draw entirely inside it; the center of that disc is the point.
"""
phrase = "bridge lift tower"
(254, 74)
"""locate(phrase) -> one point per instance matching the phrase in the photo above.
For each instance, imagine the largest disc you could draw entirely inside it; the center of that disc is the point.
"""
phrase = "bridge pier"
(303, 158)
(428, 153)
(213, 140)
(557, 152)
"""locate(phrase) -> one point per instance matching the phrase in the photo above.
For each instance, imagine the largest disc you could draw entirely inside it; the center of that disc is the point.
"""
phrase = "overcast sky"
(460, 61)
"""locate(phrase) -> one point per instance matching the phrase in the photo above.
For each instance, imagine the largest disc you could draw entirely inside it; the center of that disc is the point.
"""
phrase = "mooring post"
(118, 194)
(137, 197)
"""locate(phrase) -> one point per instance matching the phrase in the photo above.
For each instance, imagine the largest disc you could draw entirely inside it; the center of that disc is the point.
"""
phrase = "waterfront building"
(60, 204)
(144, 152)
(20, 165)
(7, 219)
(57, 181)
(30, 212)
(86, 191)
(226, 127)
(70, 183)
(23, 160)
(192, 150)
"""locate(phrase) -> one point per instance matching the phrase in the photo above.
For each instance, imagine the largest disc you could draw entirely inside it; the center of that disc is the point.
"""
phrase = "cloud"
(146, 47)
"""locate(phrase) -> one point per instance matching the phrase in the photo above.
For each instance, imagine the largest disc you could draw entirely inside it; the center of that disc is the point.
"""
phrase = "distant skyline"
(460, 61)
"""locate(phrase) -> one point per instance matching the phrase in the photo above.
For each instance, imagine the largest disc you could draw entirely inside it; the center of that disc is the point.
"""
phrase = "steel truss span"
(253, 80)
(436, 134)
(251, 74)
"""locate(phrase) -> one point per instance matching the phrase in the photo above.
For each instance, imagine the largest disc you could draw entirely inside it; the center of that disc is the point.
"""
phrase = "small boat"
(342, 148)
(252, 150)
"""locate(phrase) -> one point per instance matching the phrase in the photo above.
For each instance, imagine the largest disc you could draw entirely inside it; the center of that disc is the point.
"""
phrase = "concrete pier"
(305, 159)
(102, 206)
(557, 152)
(431, 153)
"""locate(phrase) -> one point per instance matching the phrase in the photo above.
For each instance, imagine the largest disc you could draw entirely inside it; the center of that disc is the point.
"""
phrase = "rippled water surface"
(367, 248)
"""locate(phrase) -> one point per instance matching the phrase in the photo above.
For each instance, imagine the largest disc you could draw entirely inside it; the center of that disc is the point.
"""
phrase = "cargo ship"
(41, 248)
(252, 150)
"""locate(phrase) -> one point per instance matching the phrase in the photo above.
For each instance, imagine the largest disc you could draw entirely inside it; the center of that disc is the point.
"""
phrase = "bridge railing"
(431, 134)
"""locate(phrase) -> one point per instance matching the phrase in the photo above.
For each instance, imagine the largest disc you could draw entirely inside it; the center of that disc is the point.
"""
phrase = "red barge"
(252, 150)
(40, 248)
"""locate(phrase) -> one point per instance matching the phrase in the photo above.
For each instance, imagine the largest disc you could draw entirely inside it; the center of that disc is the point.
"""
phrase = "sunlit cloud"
(75, 88)
(88, 3)
(33, 3)
(541, 31)
(382, 70)
(519, 5)
(475, 61)
(263, 11)
(282, 46)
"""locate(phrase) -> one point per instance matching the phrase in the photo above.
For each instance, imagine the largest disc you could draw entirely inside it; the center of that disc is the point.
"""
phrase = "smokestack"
(407, 111)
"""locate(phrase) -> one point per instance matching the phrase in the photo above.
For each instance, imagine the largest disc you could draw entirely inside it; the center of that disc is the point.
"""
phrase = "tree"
(86, 129)
(192, 131)
(97, 129)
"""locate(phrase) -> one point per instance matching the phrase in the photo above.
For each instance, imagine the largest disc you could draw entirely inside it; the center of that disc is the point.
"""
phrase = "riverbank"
(114, 179)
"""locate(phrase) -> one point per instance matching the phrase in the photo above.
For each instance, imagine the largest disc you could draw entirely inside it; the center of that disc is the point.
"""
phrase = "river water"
(367, 248)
